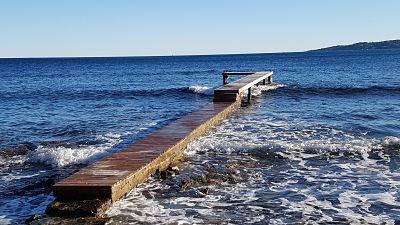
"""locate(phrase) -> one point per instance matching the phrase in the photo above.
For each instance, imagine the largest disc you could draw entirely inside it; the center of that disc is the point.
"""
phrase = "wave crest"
(203, 90)
(60, 156)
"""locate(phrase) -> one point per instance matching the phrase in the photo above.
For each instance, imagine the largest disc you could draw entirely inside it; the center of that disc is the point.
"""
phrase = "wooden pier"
(110, 178)
(232, 92)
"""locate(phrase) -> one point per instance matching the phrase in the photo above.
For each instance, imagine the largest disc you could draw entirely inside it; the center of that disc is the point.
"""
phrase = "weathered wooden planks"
(231, 92)
(115, 175)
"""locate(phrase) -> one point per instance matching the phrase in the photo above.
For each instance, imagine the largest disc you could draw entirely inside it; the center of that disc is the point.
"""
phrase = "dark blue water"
(320, 144)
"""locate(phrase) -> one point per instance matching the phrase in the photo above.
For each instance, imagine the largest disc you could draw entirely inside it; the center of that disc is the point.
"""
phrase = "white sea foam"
(391, 141)
(342, 182)
(59, 156)
(258, 90)
(243, 141)
(204, 90)
(63, 156)
(15, 160)
(16, 176)
(301, 143)
(4, 220)
(139, 208)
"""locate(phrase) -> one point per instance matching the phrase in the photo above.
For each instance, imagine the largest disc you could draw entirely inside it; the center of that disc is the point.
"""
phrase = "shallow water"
(321, 144)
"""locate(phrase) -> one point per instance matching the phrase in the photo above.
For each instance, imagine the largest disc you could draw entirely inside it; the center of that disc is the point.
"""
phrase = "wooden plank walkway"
(110, 178)
(115, 175)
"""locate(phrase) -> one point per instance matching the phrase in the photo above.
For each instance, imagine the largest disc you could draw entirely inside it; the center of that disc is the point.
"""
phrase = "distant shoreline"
(363, 46)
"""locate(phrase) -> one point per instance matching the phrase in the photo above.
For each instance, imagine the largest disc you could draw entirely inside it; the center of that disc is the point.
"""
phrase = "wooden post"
(224, 79)
(264, 82)
(249, 95)
(270, 79)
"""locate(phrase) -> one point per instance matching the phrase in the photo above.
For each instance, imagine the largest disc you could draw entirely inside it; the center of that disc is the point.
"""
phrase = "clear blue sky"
(34, 28)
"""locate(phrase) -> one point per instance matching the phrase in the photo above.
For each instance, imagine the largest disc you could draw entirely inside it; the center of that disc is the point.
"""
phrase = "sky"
(55, 28)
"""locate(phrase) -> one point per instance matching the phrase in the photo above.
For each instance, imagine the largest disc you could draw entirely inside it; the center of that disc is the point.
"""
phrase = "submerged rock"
(58, 143)
(45, 220)
(208, 175)
(37, 186)
(34, 218)
(217, 174)
(169, 173)
(186, 182)
(22, 149)
(204, 190)
(83, 208)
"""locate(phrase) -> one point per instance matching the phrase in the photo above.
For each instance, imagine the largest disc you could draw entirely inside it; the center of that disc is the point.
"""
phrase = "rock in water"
(22, 149)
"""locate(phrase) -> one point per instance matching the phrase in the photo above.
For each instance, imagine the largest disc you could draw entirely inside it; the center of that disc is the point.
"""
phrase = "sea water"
(321, 144)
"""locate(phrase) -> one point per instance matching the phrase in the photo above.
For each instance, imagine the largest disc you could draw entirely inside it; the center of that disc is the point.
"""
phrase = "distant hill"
(364, 46)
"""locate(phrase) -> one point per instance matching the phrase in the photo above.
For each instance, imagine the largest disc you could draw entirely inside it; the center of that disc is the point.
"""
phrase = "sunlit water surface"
(321, 144)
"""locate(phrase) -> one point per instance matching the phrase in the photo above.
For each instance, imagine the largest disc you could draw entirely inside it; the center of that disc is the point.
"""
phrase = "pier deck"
(110, 178)
(116, 174)
(231, 92)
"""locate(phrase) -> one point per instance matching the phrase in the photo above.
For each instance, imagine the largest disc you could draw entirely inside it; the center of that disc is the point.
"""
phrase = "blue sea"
(319, 145)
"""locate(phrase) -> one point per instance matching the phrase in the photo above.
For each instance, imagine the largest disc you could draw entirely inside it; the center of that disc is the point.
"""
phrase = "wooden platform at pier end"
(231, 92)
(115, 175)
(91, 190)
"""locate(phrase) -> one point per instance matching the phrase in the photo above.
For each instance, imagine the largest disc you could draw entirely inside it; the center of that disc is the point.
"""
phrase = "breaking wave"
(204, 90)
(258, 90)
(66, 154)
(60, 156)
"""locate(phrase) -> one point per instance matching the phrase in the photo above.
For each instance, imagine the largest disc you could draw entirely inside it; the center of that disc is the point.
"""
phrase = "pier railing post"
(270, 79)
(225, 78)
(249, 95)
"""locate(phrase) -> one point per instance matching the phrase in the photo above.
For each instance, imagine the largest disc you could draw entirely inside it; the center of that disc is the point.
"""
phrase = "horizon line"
(144, 56)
